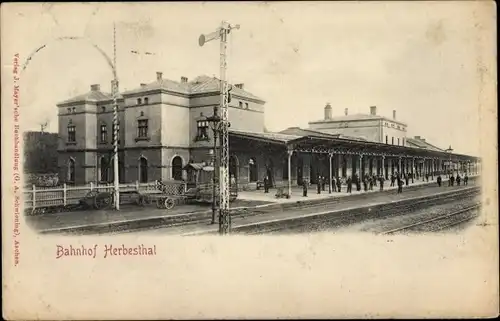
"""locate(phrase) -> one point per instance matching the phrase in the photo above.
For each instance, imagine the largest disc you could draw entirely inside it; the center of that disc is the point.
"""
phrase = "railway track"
(202, 218)
(338, 219)
(440, 222)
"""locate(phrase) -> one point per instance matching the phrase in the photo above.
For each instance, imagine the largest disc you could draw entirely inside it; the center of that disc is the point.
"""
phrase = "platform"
(256, 200)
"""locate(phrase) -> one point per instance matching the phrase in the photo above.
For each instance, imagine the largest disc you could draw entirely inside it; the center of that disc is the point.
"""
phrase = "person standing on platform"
(439, 180)
(365, 184)
(427, 177)
(358, 183)
(452, 180)
(392, 179)
(349, 184)
(372, 182)
(458, 180)
(323, 183)
(381, 181)
(304, 188)
(374, 179)
(319, 183)
(334, 185)
(407, 178)
(339, 184)
(266, 184)
(466, 179)
(400, 185)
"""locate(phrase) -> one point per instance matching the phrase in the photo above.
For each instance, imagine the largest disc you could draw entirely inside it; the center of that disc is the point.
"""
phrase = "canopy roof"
(321, 143)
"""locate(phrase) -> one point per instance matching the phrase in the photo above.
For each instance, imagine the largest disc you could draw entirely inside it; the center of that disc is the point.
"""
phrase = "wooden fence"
(37, 197)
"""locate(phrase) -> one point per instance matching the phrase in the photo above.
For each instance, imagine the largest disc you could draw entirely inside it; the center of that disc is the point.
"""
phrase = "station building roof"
(418, 142)
(200, 85)
(93, 96)
(356, 117)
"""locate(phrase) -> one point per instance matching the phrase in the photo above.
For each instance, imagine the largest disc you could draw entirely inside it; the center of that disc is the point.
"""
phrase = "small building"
(371, 127)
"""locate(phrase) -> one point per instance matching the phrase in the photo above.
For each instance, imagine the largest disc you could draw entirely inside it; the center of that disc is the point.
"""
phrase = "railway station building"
(164, 126)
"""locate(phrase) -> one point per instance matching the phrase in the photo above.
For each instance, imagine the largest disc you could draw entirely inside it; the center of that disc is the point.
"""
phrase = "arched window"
(71, 171)
(398, 141)
(146, 100)
(177, 168)
(392, 140)
(143, 170)
(252, 168)
(386, 139)
(139, 101)
(104, 169)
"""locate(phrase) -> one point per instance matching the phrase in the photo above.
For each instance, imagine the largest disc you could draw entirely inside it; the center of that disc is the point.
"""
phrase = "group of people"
(452, 180)
(368, 182)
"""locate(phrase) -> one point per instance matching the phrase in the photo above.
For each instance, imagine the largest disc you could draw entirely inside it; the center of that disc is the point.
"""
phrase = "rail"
(437, 218)
(38, 197)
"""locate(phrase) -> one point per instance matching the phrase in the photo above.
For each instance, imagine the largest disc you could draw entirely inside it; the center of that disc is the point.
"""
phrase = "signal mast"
(222, 125)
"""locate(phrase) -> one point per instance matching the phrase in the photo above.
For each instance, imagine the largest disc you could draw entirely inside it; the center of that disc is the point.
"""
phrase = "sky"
(421, 59)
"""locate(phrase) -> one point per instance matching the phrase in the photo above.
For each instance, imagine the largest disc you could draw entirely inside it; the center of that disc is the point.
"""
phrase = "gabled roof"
(165, 84)
(206, 84)
(91, 96)
(200, 85)
(419, 143)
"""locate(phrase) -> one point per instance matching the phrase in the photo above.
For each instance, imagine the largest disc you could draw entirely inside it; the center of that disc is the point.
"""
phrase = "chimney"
(373, 110)
(143, 85)
(184, 80)
(240, 86)
(417, 137)
(346, 111)
(159, 75)
(394, 114)
(95, 87)
(328, 111)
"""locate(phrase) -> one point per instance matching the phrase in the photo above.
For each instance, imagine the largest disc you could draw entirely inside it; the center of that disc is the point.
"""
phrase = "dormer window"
(146, 100)
(74, 110)
(241, 104)
(103, 109)
(246, 107)
(69, 110)
(202, 130)
(139, 101)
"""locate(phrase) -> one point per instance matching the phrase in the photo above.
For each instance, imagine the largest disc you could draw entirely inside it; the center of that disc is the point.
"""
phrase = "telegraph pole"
(223, 126)
(115, 124)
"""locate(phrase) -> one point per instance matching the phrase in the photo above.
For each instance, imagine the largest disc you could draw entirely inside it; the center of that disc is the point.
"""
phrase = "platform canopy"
(328, 143)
